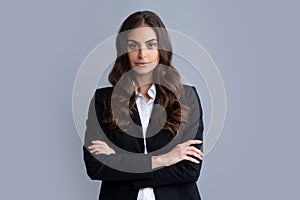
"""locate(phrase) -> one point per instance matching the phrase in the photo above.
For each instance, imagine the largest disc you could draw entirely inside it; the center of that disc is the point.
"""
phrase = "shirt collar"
(151, 91)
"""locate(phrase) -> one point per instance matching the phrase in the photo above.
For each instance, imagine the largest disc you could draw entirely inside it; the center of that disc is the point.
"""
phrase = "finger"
(194, 142)
(192, 153)
(191, 159)
(95, 146)
(95, 150)
(197, 142)
(201, 153)
(92, 146)
(98, 142)
(192, 148)
(92, 151)
(196, 150)
(101, 151)
(105, 153)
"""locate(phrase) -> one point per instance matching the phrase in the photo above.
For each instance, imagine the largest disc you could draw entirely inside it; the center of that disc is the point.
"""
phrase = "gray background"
(254, 43)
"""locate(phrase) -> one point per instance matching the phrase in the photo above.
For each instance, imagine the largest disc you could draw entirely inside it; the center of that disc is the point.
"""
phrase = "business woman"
(144, 133)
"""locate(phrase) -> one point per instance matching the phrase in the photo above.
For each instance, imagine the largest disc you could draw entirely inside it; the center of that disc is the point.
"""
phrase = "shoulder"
(188, 87)
(104, 92)
(103, 95)
(190, 95)
(189, 90)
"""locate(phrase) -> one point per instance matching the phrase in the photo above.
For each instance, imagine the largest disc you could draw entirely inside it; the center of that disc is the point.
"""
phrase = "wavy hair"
(168, 89)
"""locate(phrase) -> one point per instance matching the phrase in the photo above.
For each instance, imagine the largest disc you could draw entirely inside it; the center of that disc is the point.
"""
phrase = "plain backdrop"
(255, 45)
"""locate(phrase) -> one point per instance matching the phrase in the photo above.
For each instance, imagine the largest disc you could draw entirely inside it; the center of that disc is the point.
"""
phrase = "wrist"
(157, 161)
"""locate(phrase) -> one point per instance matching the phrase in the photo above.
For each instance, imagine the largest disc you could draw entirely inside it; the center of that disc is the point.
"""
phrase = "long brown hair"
(168, 85)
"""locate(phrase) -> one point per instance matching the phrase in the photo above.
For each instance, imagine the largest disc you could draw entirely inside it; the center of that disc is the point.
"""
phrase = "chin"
(143, 70)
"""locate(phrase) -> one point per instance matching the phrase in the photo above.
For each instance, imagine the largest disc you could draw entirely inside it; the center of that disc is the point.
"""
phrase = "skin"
(143, 56)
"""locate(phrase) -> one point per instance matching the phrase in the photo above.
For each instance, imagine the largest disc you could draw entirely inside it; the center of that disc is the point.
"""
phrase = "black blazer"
(124, 173)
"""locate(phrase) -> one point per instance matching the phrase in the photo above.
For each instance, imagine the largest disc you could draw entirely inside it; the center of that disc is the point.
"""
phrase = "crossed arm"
(183, 151)
(180, 164)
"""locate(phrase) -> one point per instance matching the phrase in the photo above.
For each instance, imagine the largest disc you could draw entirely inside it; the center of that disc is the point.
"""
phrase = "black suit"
(176, 182)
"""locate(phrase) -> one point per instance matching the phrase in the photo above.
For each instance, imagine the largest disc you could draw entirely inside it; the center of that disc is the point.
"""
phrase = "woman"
(144, 134)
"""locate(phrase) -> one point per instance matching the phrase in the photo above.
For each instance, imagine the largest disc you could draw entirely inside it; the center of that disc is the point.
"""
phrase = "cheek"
(131, 56)
(157, 57)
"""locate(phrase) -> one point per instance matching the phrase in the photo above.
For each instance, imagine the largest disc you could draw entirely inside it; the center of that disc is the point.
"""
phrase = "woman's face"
(142, 48)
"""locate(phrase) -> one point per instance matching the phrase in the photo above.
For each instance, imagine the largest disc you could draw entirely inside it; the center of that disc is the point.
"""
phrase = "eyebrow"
(131, 40)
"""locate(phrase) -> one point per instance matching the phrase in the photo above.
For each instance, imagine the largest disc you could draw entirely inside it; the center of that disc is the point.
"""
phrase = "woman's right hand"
(183, 151)
(100, 147)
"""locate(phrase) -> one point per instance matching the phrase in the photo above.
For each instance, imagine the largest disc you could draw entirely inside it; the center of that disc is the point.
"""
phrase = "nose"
(142, 53)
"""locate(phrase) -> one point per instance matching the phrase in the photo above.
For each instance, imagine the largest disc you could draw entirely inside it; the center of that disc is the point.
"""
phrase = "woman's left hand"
(99, 147)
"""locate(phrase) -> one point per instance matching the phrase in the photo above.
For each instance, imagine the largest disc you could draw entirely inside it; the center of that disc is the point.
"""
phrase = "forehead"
(142, 34)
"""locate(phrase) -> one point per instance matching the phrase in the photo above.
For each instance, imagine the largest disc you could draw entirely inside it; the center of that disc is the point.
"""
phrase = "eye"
(152, 45)
(132, 46)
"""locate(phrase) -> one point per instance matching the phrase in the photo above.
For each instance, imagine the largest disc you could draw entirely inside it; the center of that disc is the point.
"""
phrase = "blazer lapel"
(135, 129)
(135, 116)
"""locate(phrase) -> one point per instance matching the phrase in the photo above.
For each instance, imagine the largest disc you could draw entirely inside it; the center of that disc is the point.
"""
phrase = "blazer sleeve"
(98, 166)
(184, 171)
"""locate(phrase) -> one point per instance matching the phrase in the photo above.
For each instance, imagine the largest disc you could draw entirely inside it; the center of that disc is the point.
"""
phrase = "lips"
(142, 64)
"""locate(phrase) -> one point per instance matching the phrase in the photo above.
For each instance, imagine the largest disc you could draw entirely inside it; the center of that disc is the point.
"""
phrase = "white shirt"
(145, 109)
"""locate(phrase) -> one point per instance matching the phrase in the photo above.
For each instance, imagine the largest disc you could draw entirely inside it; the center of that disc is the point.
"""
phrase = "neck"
(144, 82)
(144, 89)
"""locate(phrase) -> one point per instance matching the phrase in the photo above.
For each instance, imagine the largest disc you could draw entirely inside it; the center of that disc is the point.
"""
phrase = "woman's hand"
(99, 147)
(183, 151)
